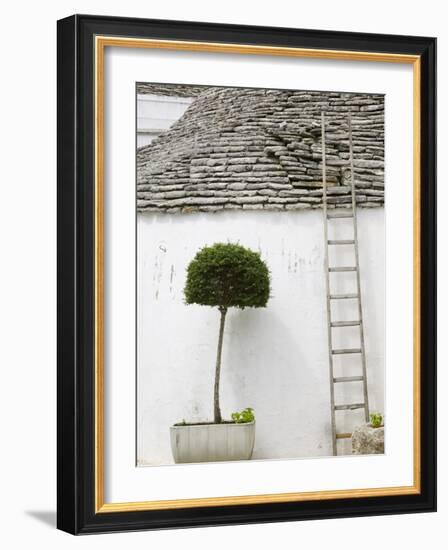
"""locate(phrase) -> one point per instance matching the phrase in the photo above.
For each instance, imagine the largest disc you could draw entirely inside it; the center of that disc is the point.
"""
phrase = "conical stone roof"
(242, 148)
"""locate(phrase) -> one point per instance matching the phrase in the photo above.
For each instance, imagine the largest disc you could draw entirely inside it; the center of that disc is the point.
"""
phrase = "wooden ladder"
(337, 215)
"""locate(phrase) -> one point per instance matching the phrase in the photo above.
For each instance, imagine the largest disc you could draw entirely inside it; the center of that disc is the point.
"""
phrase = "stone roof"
(257, 149)
(177, 90)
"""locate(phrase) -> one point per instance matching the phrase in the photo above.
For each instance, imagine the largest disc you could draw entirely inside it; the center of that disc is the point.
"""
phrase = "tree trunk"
(216, 408)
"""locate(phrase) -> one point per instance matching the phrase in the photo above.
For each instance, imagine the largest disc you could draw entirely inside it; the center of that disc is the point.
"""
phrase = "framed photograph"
(246, 274)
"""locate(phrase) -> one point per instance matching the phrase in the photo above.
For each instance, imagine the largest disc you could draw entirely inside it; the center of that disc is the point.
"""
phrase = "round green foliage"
(227, 275)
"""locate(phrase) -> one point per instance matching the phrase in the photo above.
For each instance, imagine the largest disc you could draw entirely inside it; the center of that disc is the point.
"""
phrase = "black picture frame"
(76, 253)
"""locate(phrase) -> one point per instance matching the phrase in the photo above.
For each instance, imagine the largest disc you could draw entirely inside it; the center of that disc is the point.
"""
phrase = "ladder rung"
(341, 242)
(343, 436)
(343, 351)
(349, 407)
(343, 296)
(348, 379)
(345, 323)
(345, 268)
(340, 214)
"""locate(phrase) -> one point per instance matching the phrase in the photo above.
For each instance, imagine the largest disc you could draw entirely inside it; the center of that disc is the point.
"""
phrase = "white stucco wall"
(156, 113)
(275, 359)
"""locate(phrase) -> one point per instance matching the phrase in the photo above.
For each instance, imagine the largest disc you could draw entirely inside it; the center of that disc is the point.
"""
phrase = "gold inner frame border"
(100, 44)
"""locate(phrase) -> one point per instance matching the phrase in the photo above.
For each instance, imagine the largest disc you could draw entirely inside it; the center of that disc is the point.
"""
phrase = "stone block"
(367, 440)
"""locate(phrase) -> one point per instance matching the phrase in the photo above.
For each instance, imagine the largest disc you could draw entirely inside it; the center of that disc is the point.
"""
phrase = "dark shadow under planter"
(212, 442)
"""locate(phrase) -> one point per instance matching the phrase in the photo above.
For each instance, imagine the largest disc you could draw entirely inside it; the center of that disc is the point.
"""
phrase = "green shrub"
(226, 275)
(376, 419)
(246, 415)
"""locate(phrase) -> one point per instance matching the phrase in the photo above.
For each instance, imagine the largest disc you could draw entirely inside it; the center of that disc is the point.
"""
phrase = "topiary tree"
(223, 276)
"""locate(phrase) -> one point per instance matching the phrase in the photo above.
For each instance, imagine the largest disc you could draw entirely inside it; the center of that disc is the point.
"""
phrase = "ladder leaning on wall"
(334, 216)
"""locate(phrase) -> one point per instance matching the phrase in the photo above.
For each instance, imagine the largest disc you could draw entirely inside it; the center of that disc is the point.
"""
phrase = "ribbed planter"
(212, 442)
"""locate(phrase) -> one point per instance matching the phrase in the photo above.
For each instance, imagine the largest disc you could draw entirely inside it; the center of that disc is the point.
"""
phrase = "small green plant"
(376, 419)
(246, 415)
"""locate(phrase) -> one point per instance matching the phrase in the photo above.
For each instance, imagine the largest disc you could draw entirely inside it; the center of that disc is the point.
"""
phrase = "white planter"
(212, 442)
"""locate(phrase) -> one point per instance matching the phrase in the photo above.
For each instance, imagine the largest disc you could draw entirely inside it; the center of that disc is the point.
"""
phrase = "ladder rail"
(358, 278)
(327, 283)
